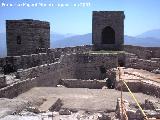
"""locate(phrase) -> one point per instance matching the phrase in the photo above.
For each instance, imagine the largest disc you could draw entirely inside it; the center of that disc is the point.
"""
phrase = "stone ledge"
(78, 83)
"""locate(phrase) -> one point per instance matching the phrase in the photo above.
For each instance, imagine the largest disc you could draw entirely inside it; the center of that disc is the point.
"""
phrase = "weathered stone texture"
(28, 61)
(113, 20)
(94, 66)
(43, 56)
(24, 37)
(78, 83)
(2, 81)
(71, 63)
(80, 66)
(143, 52)
(17, 88)
(143, 64)
(144, 86)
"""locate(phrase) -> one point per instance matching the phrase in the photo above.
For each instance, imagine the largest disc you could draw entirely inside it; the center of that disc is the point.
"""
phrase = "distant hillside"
(150, 34)
(146, 42)
(86, 39)
(77, 40)
(56, 36)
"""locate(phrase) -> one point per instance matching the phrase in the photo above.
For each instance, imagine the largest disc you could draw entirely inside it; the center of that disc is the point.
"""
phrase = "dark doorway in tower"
(108, 35)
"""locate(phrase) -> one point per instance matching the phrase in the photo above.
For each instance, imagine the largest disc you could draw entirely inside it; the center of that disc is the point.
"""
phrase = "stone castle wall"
(80, 66)
(68, 67)
(144, 86)
(136, 63)
(94, 66)
(27, 61)
(47, 69)
(143, 52)
(67, 50)
(146, 58)
(25, 36)
(42, 56)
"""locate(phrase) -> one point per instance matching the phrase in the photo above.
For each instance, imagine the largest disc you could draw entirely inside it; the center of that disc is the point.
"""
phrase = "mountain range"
(148, 39)
(149, 34)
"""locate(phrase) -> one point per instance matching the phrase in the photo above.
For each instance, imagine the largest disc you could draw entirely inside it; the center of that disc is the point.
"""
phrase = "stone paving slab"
(49, 104)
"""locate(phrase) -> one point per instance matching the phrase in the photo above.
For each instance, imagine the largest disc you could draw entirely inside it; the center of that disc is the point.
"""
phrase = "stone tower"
(26, 36)
(108, 30)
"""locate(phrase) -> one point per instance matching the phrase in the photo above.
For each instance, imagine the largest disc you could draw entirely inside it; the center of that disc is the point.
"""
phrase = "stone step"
(52, 104)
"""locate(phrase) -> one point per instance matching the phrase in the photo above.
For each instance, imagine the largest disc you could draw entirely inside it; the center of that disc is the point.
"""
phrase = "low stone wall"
(143, 52)
(67, 50)
(27, 61)
(151, 88)
(155, 59)
(144, 86)
(142, 64)
(77, 83)
(134, 85)
(47, 74)
(30, 78)
(17, 88)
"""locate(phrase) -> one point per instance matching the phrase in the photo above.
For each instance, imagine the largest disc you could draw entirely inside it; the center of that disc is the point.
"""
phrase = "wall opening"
(110, 83)
(121, 63)
(18, 39)
(108, 35)
(102, 69)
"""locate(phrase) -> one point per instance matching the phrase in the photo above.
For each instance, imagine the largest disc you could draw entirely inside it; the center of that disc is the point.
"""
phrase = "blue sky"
(141, 15)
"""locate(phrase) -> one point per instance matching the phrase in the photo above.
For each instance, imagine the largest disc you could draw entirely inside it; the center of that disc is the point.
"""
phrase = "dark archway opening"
(121, 63)
(108, 35)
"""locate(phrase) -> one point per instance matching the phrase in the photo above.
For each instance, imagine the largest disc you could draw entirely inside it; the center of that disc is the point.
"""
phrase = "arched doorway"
(108, 35)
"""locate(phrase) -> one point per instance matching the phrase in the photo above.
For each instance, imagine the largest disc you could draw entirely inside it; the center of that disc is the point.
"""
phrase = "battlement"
(27, 23)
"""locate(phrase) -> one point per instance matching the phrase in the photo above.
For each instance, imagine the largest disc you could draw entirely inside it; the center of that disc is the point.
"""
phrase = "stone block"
(2, 81)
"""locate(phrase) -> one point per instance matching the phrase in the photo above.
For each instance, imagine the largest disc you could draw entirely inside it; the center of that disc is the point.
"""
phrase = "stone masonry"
(108, 30)
(25, 36)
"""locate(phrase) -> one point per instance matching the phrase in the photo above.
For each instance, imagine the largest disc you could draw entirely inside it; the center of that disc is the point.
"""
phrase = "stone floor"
(82, 98)
(75, 99)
